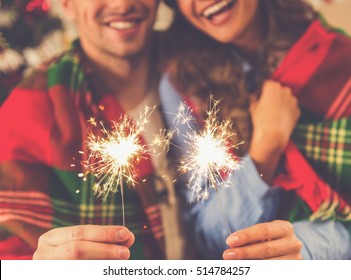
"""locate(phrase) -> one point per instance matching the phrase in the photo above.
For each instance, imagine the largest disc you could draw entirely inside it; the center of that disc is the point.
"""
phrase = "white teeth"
(210, 11)
(122, 25)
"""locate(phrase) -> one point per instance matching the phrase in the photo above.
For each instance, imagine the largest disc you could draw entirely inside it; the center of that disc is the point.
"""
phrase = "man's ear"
(68, 9)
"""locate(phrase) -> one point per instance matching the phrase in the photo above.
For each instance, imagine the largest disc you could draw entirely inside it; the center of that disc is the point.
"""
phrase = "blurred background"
(33, 31)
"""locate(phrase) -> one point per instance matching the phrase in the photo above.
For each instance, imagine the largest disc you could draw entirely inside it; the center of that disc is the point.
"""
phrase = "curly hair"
(200, 66)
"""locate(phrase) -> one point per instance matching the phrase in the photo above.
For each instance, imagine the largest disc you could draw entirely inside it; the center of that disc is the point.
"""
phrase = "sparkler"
(209, 159)
(114, 155)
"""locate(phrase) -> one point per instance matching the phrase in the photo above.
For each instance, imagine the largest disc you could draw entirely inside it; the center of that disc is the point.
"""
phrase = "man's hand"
(85, 242)
(268, 241)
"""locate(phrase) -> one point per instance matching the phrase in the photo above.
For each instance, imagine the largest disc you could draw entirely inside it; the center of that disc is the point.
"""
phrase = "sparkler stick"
(209, 159)
(114, 155)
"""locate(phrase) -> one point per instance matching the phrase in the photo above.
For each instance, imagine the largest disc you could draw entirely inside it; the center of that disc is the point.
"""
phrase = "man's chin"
(129, 51)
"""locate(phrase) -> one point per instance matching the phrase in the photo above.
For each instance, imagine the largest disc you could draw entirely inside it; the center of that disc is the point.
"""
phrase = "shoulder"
(325, 30)
(30, 96)
(35, 81)
(37, 78)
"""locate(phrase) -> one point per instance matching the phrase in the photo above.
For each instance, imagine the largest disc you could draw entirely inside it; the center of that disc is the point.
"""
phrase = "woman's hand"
(267, 241)
(274, 117)
(85, 242)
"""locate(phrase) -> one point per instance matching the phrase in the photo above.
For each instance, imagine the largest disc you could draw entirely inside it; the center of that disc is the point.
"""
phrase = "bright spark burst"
(114, 155)
(209, 159)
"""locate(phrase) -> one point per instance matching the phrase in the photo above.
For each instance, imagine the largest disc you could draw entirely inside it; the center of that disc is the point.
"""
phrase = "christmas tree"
(27, 38)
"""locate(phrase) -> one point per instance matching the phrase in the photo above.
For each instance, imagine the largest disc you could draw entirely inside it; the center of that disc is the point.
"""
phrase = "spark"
(210, 154)
(163, 139)
(209, 159)
(92, 121)
(184, 115)
(114, 153)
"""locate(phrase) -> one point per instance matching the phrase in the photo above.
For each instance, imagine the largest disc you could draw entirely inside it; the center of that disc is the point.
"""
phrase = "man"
(108, 71)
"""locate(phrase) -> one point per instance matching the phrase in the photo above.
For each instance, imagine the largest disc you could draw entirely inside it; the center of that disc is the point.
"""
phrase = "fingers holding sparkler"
(85, 242)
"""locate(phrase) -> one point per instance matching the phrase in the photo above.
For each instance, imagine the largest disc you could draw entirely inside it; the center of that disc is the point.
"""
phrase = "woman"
(241, 45)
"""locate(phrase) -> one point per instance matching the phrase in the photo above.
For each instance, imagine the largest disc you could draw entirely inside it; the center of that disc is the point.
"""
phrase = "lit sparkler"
(209, 159)
(114, 155)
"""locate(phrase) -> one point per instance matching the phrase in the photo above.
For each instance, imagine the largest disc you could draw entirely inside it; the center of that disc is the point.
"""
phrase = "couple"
(118, 65)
